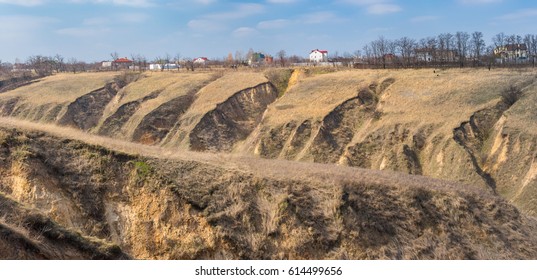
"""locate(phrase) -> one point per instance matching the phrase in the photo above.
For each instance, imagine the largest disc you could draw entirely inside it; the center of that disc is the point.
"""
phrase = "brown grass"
(61, 88)
(170, 85)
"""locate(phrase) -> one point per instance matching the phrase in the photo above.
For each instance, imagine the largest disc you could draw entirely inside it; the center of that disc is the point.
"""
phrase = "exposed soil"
(113, 124)
(233, 120)
(86, 111)
(175, 209)
(157, 124)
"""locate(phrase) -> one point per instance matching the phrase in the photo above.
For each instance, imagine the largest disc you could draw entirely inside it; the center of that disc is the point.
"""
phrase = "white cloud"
(83, 32)
(244, 32)
(240, 11)
(282, 1)
(375, 7)
(130, 3)
(205, 25)
(132, 17)
(381, 9)
(318, 17)
(273, 24)
(16, 29)
(520, 14)
(206, 2)
(423, 19)
(478, 2)
(27, 3)
(96, 21)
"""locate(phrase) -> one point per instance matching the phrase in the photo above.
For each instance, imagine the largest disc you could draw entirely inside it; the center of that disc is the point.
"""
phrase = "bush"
(511, 95)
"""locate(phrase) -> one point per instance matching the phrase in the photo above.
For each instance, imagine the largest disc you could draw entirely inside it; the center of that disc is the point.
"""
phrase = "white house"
(167, 66)
(106, 64)
(200, 60)
(512, 52)
(318, 56)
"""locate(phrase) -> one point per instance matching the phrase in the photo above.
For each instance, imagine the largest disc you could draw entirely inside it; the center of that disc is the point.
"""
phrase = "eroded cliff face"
(233, 120)
(158, 208)
(452, 124)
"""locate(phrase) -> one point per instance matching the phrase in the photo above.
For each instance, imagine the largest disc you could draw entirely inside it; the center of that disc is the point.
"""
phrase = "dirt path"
(275, 169)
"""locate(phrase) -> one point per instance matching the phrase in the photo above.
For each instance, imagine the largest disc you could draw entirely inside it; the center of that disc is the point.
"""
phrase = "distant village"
(509, 54)
(460, 49)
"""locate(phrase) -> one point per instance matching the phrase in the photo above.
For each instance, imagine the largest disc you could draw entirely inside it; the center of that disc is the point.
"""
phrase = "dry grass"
(61, 88)
(170, 85)
(214, 94)
(275, 169)
(194, 205)
(445, 97)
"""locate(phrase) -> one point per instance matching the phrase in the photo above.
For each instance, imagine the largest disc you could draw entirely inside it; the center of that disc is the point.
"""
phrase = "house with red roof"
(200, 60)
(122, 63)
(318, 56)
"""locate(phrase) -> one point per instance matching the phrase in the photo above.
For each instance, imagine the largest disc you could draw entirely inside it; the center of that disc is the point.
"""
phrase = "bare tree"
(380, 49)
(114, 56)
(177, 60)
(73, 64)
(531, 43)
(59, 63)
(42, 65)
(477, 46)
(461, 39)
(499, 40)
(281, 57)
(406, 47)
(445, 46)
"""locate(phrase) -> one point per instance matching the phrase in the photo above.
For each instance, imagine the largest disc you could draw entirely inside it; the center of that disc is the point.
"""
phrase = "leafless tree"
(282, 57)
(73, 64)
(380, 48)
(177, 60)
(477, 45)
(461, 39)
(406, 47)
(531, 43)
(499, 40)
(59, 63)
(445, 46)
(42, 65)
(114, 56)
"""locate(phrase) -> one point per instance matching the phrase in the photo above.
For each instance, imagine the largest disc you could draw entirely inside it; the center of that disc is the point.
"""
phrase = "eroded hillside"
(200, 206)
(458, 125)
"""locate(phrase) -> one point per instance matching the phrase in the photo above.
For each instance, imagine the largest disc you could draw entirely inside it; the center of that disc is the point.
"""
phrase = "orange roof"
(321, 51)
(123, 60)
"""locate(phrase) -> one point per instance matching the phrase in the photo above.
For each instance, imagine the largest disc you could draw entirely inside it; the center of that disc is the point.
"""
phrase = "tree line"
(459, 49)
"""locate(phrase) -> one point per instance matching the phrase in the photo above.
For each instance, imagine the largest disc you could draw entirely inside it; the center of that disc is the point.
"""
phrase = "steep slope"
(448, 124)
(47, 99)
(27, 234)
(220, 109)
(229, 207)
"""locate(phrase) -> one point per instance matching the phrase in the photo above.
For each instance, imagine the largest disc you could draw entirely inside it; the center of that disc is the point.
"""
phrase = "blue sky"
(92, 29)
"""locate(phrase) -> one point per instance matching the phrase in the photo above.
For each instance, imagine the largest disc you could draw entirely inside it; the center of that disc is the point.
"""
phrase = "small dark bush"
(511, 95)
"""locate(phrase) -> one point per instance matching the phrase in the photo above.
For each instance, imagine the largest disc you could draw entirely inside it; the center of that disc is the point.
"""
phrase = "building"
(256, 58)
(318, 56)
(122, 63)
(424, 54)
(106, 64)
(438, 55)
(166, 66)
(201, 60)
(512, 52)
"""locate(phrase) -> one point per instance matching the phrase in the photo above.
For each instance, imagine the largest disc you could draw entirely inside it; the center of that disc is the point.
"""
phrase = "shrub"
(511, 95)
